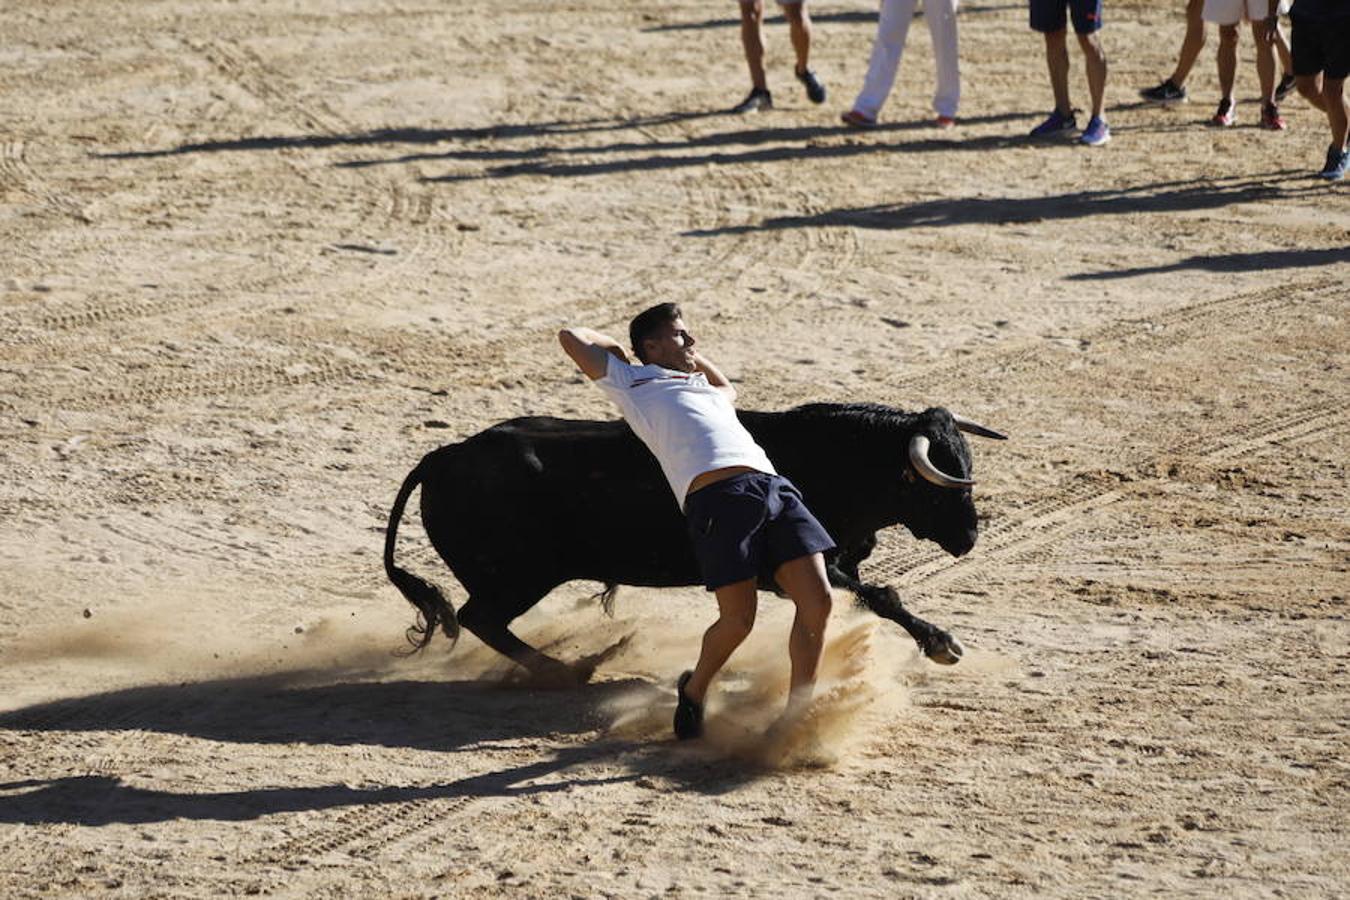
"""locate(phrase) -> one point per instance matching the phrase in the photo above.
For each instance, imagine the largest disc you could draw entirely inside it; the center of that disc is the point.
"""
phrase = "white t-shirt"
(689, 425)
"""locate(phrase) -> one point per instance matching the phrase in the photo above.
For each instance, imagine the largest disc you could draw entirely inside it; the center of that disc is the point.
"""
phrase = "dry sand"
(258, 257)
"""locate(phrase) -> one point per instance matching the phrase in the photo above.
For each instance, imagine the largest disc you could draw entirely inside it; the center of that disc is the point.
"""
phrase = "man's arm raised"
(589, 349)
(714, 376)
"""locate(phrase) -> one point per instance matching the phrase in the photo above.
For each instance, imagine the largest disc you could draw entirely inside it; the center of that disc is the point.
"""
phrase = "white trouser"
(892, 28)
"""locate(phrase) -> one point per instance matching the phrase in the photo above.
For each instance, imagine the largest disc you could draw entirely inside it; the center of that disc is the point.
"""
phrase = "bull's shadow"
(105, 800)
(424, 715)
(435, 716)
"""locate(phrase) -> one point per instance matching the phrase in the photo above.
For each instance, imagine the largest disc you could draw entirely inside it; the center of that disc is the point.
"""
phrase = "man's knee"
(1333, 89)
(736, 625)
(1228, 35)
(813, 599)
(1308, 87)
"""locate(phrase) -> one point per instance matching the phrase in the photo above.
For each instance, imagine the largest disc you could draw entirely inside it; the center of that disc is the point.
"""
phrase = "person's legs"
(887, 47)
(1227, 59)
(1057, 60)
(1265, 61)
(736, 605)
(941, 16)
(799, 27)
(752, 39)
(1094, 57)
(805, 582)
(1286, 58)
(1191, 44)
(1338, 113)
(1310, 87)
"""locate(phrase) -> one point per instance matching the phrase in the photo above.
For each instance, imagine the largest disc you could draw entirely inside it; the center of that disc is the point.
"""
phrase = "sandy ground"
(258, 257)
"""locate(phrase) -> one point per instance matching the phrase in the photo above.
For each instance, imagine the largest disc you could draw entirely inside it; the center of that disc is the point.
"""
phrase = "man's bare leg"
(1338, 111)
(1094, 60)
(1227, 58)
(736, 606)
(805, 582)
(1310, 87)
(1057, 60)
(799, 26)
(752, 39)
(1265, 61)
(1191, 44)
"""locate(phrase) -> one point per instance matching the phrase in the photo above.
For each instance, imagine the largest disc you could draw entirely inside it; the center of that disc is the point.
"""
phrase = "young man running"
(752, 39)
(743, 518)
(1050, 18)
(1320, 40)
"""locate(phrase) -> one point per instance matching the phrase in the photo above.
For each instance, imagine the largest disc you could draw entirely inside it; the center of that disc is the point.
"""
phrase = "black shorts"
(1049, 16)
(748, 525)
(1321, 47)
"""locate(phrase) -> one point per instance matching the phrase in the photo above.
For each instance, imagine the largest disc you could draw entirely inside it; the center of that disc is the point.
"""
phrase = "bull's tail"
(432, 609)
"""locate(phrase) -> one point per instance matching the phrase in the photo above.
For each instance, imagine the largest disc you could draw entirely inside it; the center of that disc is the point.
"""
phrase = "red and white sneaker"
(1224, 117)
(1271, 120)
(944, 122)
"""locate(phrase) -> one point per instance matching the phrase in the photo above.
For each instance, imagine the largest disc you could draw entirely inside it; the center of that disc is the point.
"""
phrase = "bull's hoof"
(944, 649)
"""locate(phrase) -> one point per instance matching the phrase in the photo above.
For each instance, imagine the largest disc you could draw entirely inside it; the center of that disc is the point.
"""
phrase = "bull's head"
(941, 506)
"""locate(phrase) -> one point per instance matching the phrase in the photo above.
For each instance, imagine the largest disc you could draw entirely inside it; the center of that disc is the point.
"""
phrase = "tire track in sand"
(17, 174)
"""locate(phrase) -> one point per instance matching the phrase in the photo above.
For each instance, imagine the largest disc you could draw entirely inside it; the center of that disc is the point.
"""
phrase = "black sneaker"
(815, 91)
(1338, 164)
(688, 714)
(1286, 85)
(1167, 92)
(758, 99)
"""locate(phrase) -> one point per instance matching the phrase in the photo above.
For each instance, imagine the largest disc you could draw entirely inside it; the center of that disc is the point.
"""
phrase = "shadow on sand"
(1176, 196)
(866, 17)
(416, 135)
(1231, 262)
(436, 716)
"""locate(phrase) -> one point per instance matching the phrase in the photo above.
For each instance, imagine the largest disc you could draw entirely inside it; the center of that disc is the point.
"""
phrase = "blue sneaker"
(1056, 123)
(1338, 164)
(1097, 132)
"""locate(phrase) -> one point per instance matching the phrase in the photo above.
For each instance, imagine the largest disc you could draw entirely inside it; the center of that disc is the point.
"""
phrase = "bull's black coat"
(534, 502)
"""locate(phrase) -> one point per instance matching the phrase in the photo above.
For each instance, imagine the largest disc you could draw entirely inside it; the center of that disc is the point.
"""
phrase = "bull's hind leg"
(488, 618)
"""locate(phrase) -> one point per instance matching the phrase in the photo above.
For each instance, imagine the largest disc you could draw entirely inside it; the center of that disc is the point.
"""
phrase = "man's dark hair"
(647, 323)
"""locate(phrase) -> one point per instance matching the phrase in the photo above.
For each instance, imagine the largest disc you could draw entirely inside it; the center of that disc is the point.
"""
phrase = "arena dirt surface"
(258, 257)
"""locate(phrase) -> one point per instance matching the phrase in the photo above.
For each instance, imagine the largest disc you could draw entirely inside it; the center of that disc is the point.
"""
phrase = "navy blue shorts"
(748, 525)
(1321, 47)
(1053, 15)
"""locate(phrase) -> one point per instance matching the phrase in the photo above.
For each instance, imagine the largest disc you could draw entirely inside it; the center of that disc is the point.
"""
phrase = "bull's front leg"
(936, 644)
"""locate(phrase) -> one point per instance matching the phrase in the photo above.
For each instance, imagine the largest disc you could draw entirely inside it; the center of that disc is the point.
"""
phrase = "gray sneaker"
(1338, 163)
(758, 99)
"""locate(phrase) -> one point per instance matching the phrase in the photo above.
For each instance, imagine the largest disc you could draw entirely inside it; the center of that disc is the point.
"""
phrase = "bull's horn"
(918, 455)
(969, 427)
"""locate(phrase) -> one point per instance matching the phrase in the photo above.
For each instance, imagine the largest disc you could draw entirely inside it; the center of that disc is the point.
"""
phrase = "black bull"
(534, 502)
